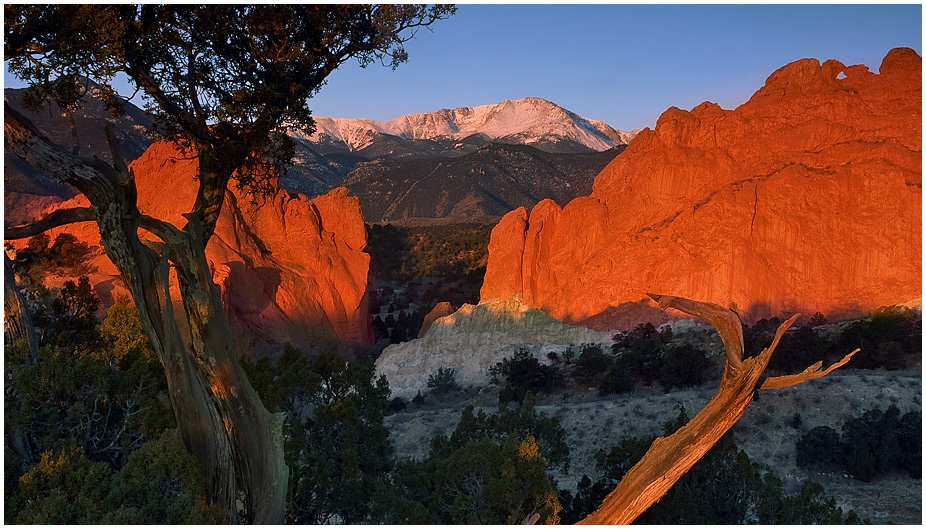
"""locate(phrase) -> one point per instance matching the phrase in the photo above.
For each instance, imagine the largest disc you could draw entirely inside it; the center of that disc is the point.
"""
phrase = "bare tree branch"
(810, 373)
(55, 219)
(118, 161)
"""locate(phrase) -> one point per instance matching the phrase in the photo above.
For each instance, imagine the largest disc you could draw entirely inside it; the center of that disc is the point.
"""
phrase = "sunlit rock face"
(288, 269)
(444, 308)
(473, 339)
(805, 198)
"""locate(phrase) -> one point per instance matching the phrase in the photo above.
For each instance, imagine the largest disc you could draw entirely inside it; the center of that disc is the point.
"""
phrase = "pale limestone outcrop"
(473, 339)
(806, 198)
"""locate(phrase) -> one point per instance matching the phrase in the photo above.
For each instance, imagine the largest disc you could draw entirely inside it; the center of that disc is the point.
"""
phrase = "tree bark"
(17, 322)
(18, 331)
(221, 420)
(669, 458)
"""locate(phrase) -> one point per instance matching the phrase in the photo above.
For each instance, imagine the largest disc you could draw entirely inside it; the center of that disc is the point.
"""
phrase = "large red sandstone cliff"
(289, 269)
(805, 198)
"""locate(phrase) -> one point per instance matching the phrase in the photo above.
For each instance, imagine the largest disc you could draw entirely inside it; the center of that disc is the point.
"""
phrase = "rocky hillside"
(473, 339)
(805, 198)
(489, 182)
(767, 432)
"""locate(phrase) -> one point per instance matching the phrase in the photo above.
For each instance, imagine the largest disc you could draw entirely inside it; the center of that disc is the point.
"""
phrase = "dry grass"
(592, 423)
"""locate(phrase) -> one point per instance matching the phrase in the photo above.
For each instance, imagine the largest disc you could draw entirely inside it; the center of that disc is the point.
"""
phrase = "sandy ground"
(593, 422)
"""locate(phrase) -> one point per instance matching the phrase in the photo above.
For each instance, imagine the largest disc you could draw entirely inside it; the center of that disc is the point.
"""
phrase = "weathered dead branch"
(669, 458)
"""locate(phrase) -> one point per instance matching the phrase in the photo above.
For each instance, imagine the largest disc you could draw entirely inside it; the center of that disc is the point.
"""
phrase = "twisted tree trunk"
(221, 419)
(19, 332)
(17, 322)
(669, 458)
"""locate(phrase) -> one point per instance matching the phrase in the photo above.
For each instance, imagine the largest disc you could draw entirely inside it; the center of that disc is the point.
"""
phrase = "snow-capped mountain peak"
(529, 121)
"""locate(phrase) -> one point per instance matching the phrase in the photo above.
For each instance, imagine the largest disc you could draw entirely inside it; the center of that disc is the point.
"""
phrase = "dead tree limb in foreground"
(670, 457)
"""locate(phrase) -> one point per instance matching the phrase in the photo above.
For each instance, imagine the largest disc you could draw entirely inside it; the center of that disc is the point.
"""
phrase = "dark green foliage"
(587, 498)
(74, 314)
(64, 487)
(682, 366)
(108, 400)
(426, 265)
(640, 351)
(873, 443)
(160, 484)
(910, 438)
(524, 373)
(337, 448)
(69, 253)
(795, 421)
(809, 507)
(443, 382)
(65, 256)
(890, 339)
(617, 380)
(647, 355)
(723, 487)
(95, 417)
(519, 421)
(490, 470)
(621, 458)
(758, 336)
(820, 446)
(510, 394)
(593, 361)
(817, 319)
(454, 252)
(396, 405)
(799, 349)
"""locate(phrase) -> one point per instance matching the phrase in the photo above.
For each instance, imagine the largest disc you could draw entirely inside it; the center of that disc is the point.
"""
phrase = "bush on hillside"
(876, 442)
(682, 366)
(444, 381)
(593, 361)
(524, 373)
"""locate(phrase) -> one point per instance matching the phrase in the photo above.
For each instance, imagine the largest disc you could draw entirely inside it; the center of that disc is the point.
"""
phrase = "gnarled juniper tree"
(224, 83)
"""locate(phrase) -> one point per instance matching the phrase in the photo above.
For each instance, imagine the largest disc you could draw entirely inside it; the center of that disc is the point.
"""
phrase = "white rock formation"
(475, 338)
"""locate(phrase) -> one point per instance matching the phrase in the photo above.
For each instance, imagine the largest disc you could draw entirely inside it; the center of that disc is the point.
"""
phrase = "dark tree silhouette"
(224, 83)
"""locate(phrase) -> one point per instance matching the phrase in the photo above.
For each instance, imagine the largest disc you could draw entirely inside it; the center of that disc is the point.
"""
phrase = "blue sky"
(622, 64)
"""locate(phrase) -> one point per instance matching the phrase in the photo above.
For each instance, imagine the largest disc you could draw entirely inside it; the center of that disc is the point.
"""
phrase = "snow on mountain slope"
(528, 121)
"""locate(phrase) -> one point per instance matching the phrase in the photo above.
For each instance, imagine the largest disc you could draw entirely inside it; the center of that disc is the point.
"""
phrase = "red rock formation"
(289, 269)
(805, 198)
(444, 308)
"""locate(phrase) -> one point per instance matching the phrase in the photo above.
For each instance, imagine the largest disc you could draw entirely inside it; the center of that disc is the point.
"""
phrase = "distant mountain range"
(462, 163)
(527, 121)
(482, 185)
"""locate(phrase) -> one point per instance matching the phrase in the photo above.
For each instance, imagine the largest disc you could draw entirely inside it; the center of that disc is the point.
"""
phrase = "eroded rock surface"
(473, 339)
(289, 269)
(805, 198)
